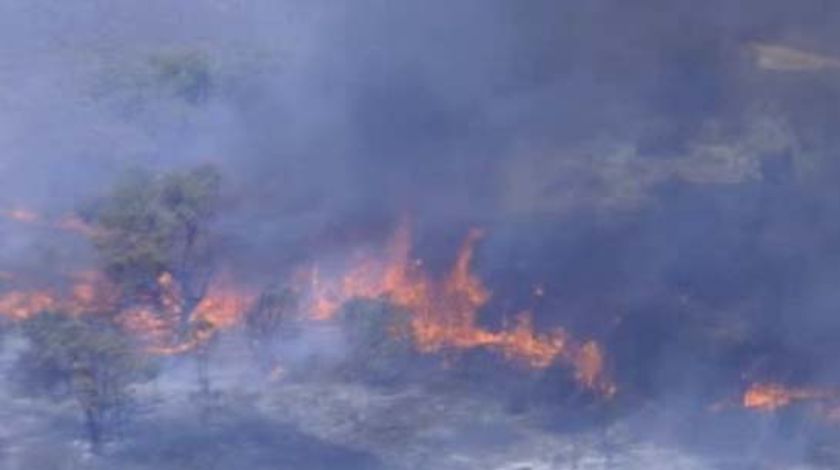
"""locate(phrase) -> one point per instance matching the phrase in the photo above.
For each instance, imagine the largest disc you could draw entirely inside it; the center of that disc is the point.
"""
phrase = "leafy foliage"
(151, 224)
(163, 81)
(86, 359)
(265, 320)
(267, 316)
(185, 74)
(378, 352)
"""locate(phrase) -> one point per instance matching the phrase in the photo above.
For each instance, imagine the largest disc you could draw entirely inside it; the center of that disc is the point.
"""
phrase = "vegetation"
(87, 360)
(149, 225)
(265, 319)
(378, 350)
(184, 74)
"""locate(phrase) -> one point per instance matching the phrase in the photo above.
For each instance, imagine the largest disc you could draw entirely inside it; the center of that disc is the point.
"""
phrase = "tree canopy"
(85, 359)
(151, 224)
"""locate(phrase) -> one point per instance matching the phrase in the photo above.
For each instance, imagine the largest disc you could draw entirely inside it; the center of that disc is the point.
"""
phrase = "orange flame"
(154, 321)
(89, 293)
(146, 324)
(171, 298)
(223, 307)
(19, 305)
(768, 397)
(444, 313)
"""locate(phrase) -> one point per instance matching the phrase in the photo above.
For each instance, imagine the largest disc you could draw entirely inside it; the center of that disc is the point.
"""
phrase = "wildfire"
(153, 321)
(89, 293)
(171, 298)
(19, 305)
(147, 325)
(768, 397)
(223, 306)
(444, 312)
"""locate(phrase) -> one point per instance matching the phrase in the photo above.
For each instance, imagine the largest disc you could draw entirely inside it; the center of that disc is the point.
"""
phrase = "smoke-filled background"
(658, 176)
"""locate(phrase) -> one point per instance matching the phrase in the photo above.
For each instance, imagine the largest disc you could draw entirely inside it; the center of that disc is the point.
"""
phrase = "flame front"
(444, 313)
(20, 305)
(223, 306)
(89, 293)
(154, 321)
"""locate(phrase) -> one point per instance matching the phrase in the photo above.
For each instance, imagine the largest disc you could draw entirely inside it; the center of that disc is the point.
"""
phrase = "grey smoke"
(629, 156)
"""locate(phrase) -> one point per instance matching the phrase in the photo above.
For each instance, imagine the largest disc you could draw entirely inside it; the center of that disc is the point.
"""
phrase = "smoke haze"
(663, 179)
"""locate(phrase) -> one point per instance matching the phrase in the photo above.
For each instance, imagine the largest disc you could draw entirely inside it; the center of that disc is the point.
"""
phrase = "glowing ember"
(171, 299)
(88, 293)
(770, 397)
(147, 324)
(589, 368)
(153, 321)
(19, 305)
(444, 313)
(223, 306)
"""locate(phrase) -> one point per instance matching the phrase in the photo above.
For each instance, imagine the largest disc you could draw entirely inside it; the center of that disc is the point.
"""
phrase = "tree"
(88, 360)
(378, 349)
(154, 225)
(265, 320)
(185, 74)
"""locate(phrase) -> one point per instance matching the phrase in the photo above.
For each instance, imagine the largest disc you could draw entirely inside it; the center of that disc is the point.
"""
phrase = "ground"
(252, 421)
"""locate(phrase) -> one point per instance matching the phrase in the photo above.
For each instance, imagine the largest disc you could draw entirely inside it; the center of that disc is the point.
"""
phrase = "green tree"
(85, 359)
(265, 320)
(186, 74)
(153, 224)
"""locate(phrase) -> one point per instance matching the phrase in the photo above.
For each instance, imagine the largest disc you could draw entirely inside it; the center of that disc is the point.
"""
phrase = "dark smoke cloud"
(382, 105)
